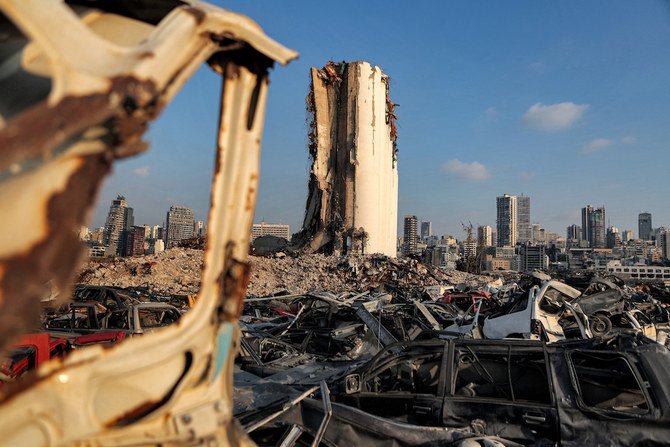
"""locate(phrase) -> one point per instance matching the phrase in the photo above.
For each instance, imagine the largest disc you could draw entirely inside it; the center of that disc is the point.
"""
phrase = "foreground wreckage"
(81, 81)
(529, 362)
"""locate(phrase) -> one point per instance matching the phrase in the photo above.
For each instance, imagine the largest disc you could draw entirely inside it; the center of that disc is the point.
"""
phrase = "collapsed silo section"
(352, 203)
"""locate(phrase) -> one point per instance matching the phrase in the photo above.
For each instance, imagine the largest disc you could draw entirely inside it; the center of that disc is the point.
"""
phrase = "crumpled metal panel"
(173, 386)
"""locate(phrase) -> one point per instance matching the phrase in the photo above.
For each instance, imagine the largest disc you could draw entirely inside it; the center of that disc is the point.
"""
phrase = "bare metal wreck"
(81, 80)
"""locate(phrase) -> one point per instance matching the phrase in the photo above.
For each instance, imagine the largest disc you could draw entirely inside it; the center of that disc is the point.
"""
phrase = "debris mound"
(170, 272)
(177, 270)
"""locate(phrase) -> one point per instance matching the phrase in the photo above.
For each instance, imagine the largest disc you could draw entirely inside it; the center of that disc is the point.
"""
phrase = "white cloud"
(142, 172)
(596, 145)
(471, 171)
(537, 67)
(629, 140)
(554, 116)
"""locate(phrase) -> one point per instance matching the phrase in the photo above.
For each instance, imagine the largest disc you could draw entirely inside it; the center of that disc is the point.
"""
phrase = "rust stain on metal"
(56, 257)
(234, 280)
(251, 192)
(133, 414)
(196, 13)
(71, 116)
(20, 141)
(146, 55)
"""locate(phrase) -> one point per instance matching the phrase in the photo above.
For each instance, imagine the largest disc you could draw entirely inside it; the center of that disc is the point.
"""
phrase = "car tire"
(600, 325)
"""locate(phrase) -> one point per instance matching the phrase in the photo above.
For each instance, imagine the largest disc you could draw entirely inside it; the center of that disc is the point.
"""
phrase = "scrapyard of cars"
(536, 362)
(532, 363)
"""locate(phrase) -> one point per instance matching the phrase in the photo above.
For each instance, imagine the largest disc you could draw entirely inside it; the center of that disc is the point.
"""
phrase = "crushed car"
(569, 393)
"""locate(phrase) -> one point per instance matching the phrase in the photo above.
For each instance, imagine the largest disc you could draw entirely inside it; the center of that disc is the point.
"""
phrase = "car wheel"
(600, 325)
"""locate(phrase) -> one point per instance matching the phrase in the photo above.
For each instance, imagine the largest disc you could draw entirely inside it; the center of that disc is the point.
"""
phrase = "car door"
(501, 388)
(609, 399)
(513, 320)
(407, 386)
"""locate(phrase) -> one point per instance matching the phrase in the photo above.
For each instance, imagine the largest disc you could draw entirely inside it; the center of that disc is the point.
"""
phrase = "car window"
(606, 381)
(500, 373)
(418, 374)
(118, 320)
(516, 303)
(157, 317)
(520, 304)
(552, 301)
(81, 318)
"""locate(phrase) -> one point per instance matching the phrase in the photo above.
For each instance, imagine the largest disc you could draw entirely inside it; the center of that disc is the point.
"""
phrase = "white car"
(535, 316)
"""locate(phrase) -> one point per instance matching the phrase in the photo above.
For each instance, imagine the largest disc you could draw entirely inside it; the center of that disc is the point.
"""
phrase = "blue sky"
(567, 102)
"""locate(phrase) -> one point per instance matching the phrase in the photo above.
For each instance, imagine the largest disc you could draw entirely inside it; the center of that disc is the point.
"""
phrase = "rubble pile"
(178, 271)
(314, 272)
(170, 272)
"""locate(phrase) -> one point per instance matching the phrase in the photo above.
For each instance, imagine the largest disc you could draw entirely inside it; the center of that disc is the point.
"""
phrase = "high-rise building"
(157, 232)
(484, 235)
(656, 234)
(665, 244)
(597, 231)
(135, 241)
(613, 238)
(410, 236)
(426, 230)
(115, 225)
(84, 233)
(198, 228)
(574, 232)
(156, 246)
(524, 230)
(506, 221)
(593, 226)
(586, 219)
(532, 257)
(128, 223)
(147, 231)
(179, 225)
(469, 248)
(644, 226)
(627, 235)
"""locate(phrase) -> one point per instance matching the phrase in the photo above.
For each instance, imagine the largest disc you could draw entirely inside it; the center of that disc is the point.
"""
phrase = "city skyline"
(565, 105)
(458, 233)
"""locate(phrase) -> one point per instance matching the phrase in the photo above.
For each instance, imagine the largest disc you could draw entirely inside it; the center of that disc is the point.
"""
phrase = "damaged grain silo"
(352, 202)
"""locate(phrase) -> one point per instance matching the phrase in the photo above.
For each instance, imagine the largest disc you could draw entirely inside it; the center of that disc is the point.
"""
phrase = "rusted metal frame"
(55, 403)
(217, 300)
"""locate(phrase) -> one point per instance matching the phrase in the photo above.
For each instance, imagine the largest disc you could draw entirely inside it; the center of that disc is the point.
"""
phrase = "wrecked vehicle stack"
(515, 370)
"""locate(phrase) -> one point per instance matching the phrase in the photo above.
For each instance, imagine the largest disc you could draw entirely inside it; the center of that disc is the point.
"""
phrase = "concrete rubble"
(178, 271)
